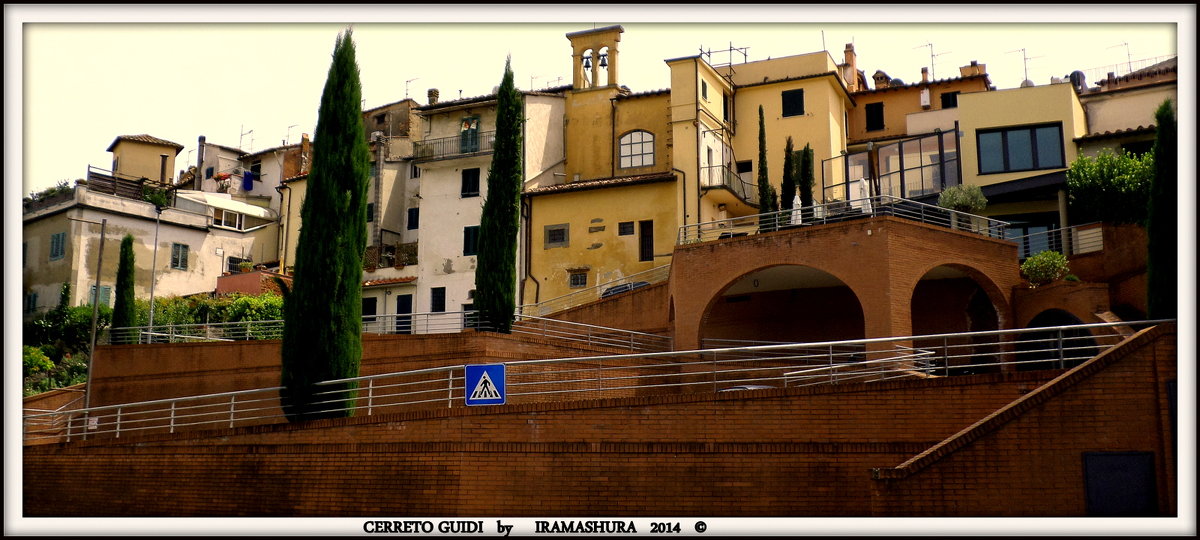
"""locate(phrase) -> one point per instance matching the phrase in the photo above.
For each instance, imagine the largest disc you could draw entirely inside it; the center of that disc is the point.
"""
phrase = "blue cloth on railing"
(248, 180)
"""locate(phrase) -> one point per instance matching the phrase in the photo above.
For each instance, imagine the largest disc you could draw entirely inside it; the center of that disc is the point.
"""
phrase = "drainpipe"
(684, 184)
(527, 216)
(612, 138)
(283, 227)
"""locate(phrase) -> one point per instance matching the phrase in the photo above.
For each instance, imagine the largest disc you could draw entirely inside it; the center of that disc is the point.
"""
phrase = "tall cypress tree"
(123, 315)
(322, 333)
(763, 182)
(788, 189)
(1162, 222)
(496, 267)
(806, 176)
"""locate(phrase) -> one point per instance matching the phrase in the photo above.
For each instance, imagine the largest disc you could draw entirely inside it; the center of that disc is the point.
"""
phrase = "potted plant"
(245, 266)
(1045, 267)
(966, 198)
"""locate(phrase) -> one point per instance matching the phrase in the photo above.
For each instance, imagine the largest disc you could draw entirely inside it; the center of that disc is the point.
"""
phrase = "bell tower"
(593, 52)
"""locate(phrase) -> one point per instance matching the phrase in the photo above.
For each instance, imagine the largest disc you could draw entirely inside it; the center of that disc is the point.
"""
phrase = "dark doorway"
(1120, 484)
(646, 240)
(404, 314)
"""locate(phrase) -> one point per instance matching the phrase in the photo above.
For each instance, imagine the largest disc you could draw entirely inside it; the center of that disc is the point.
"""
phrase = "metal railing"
(1097, 74)
(1073, 240)
(608, 376)
(831, 212)
(409, 323)
(720, 176)
(454, 146)
(554, 305)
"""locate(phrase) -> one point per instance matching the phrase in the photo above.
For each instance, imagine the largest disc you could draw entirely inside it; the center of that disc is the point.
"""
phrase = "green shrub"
(963, 198)
(1044, 267)
(1111, 187)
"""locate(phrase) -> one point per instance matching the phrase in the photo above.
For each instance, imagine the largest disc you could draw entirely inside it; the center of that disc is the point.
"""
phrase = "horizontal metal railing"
(608, 376)
(554, 305)
(1073, 240)
(590, 334)
(832, 212)
(453, 146)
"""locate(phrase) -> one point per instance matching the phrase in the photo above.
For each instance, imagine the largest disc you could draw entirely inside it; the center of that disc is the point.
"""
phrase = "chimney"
(305, 153)
(851, 68)
(199, 184)
(881, 80)
(974, 69)
(924, 74)
(433, 96)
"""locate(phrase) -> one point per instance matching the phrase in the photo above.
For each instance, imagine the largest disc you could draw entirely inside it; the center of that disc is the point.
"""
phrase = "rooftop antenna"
(406, 86)
(1128, 56)
(823, 41)
(932, 65)
(288, 140)
(1026, 59)
(243, 135)
(531, 78)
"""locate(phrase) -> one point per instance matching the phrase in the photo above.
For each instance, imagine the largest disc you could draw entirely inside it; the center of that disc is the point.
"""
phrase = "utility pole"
(87, 389)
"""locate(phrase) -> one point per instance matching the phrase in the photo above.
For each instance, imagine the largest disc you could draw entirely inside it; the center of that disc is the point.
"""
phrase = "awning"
(216, 200)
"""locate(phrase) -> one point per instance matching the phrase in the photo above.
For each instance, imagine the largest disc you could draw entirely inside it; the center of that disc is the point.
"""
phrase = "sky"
(76, 77)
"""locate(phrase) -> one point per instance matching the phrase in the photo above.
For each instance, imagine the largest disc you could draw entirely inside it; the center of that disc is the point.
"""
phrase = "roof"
(389, 281)
(373, 109)
(216, 200)
(143, 138)
(300, 176)
(264, 151)
(617, 181)
(921, 84)
(237, 151)
(1140, 130)
(457, 102)
(644, 94)
(596, 30)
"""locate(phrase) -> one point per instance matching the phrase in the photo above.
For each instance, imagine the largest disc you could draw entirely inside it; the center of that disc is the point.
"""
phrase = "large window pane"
(1020, 150)
(1049, 147)
(991, 152)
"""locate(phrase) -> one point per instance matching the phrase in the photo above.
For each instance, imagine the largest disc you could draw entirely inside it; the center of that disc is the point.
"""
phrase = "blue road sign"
(485, 384)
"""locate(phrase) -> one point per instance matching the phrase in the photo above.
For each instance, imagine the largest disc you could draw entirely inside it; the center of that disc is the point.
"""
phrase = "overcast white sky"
(254, 84)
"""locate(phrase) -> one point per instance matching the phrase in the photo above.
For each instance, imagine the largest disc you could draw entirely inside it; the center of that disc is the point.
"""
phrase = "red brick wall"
(641, 310)
(1031, 462)
(1083, 300)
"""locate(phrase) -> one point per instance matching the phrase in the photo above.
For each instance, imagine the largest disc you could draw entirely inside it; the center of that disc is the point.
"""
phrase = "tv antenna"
(406, 86)
(1026, 60)
(243, 135)
(288, 140)
(1128, 56)
(932, 65)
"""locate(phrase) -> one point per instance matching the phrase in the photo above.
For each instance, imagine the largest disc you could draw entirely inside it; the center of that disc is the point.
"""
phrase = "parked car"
(624, 287)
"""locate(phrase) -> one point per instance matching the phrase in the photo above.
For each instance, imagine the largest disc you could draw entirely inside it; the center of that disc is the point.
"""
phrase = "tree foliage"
(63, 336)
(123, 307)
(1111, 187)
(1162, 226)
(1045, 267)
(806, 176)
(496, 267)
(763, 182)
(963, 198)
(322, 335)
(787, 191)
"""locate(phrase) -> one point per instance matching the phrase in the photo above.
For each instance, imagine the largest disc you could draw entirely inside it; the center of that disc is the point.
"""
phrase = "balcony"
(466, 144)
(721, 177)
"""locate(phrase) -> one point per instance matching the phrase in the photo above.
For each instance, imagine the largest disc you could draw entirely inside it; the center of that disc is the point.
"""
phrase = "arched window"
(637, 149)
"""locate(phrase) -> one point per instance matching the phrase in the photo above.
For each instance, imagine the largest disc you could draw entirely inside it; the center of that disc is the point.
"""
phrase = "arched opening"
(1054, 349)
(787, 303)
(948, 300)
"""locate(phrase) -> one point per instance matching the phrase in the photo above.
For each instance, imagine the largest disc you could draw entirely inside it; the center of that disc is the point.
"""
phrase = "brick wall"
(781, 452)
(641, 310)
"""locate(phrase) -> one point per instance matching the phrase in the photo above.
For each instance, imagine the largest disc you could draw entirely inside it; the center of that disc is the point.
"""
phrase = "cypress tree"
(1162, 221)
(807, 178)
(124, 309)
(322, 333)
(788, 189)
(496, 264)
(763, 182)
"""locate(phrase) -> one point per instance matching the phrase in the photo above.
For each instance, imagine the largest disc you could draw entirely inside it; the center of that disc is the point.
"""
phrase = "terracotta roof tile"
(145, 139)
(390, 281)
(1118, 133)
(603, 183)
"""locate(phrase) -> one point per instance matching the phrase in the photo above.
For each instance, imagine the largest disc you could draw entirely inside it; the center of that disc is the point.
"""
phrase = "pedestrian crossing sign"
(485, 384)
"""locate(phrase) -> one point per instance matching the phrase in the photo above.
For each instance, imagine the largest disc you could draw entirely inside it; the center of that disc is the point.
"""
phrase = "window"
(625, 228)
(1020, 149)
(745, 166)
(105, 295)
(414, 218)
(58, 245)
(874, 116)
(30, 302)
(374, 170)
(224, 218)
(370, 212)
(208, 172)
(725, 106)
(471, 240)
(469, 135)
(437, 299)
(949, 100)
(416, 172)
(793, 103)
(704, 90)
(379, 118)
(233, 264)
(637, 149)
(557, 235)
(179, 256)
(577, 279)
(470, 182)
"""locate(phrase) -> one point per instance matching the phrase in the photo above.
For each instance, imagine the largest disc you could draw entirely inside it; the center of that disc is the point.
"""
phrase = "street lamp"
(87, 389)
(153, 264)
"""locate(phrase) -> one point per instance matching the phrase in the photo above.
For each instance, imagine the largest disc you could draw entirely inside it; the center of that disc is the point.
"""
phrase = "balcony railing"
(1074, 240)
(458, 145)
(591, 294)
(720, 176)
(835, 211)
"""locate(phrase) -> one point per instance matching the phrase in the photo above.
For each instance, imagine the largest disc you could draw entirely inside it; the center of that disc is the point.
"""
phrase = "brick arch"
(990, 288)
(714, 299)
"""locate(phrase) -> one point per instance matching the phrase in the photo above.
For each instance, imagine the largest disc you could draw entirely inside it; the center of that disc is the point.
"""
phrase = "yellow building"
(144, 156)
